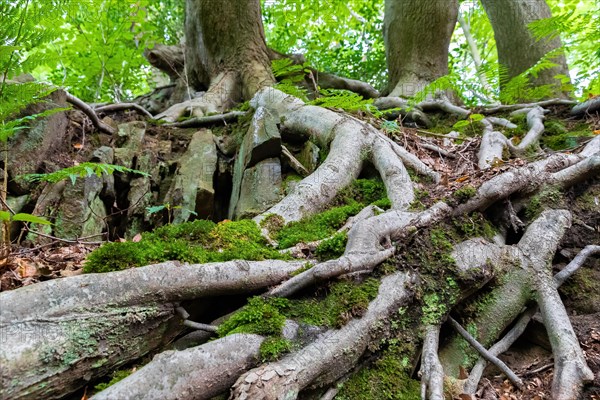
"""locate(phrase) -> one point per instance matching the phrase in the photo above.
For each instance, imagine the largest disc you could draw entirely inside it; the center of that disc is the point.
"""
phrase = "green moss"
(474, 225)
(273, 347)
(344, 301)
(548, 197)
(348, 203)
(386, 378)
(465, 193)
(436, 304)
(192, 242)
(289, 181)
(116, 377)
(418, 203)
(305, 267)
(261, 316)
(333, 247)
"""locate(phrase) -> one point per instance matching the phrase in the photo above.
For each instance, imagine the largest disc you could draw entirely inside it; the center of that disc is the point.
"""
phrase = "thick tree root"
(198, 373)
(136, 306)
(331, 355)
(534, 275)
(431, 373)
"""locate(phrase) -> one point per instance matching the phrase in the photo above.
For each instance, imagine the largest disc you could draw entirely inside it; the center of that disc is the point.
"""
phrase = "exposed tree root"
(133, 306)
(431, 373)
(210, 120)
(330, 356)
(535, 256)
(124, 106)
(87, 110)
(198, 373)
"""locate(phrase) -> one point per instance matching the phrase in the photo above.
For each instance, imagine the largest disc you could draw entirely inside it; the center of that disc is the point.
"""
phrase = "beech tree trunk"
(518, 49)
(417, 35)
(225, 52)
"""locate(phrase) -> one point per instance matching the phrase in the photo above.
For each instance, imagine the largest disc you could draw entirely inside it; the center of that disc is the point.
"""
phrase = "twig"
(330, 394)
(485, 354)
(437, 149)
(194, 325)
(124, 106)
(209, 120)
(72, 241)
(87, 110)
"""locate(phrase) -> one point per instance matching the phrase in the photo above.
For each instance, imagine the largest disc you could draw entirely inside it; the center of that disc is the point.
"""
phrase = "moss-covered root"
(329, 357)
(200, 372)
(530, 277)
(114, 308)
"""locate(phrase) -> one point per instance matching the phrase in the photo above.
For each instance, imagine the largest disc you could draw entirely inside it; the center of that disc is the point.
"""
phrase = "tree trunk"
(417, 35)
(225, 52)
(518, 49)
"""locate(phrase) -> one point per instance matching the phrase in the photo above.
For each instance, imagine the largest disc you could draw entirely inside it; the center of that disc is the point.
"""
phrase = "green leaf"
(476, 117)
(4, 216)
(154, 209)
(461, 124)
(24, 217)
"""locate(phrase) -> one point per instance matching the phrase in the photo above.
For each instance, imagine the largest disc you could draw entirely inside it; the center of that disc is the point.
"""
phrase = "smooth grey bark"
(57, 335)
(225, 51)
(417, 35)
(518, 49)
(198, 373)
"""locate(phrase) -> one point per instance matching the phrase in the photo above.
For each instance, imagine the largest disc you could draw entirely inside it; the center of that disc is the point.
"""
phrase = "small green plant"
(465, 193)
(82, 170)
(116, 377)
(468, 123)
(167, 206)
(273, 347)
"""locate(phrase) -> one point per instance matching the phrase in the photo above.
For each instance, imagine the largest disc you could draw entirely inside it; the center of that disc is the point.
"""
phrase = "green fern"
(520, 88)
(290, 76)
(82, 170)
(344, 99)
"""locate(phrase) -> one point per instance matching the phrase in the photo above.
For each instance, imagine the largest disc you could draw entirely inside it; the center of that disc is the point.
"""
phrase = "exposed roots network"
(139, 295)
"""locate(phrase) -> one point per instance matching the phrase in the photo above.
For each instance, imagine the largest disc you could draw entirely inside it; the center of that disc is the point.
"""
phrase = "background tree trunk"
(518, 49)
(417, 35)
(226, 36)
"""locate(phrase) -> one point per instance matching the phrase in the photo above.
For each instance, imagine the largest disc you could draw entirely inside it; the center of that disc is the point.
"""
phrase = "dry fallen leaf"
(137, 238)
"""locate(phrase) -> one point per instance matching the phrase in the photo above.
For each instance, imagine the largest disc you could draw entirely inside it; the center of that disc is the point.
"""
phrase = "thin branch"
(485, 354)
(124, 106)
(209, 120)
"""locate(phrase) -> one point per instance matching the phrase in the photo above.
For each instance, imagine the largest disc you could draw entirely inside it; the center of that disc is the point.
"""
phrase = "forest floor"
(530, 357)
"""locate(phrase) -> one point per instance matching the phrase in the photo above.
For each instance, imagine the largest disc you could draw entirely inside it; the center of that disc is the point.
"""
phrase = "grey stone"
(261, 188)
(261, 142)
(192, 188)
(31, 147)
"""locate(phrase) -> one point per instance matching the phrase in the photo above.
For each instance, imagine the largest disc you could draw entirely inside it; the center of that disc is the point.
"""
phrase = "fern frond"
(82, 170)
